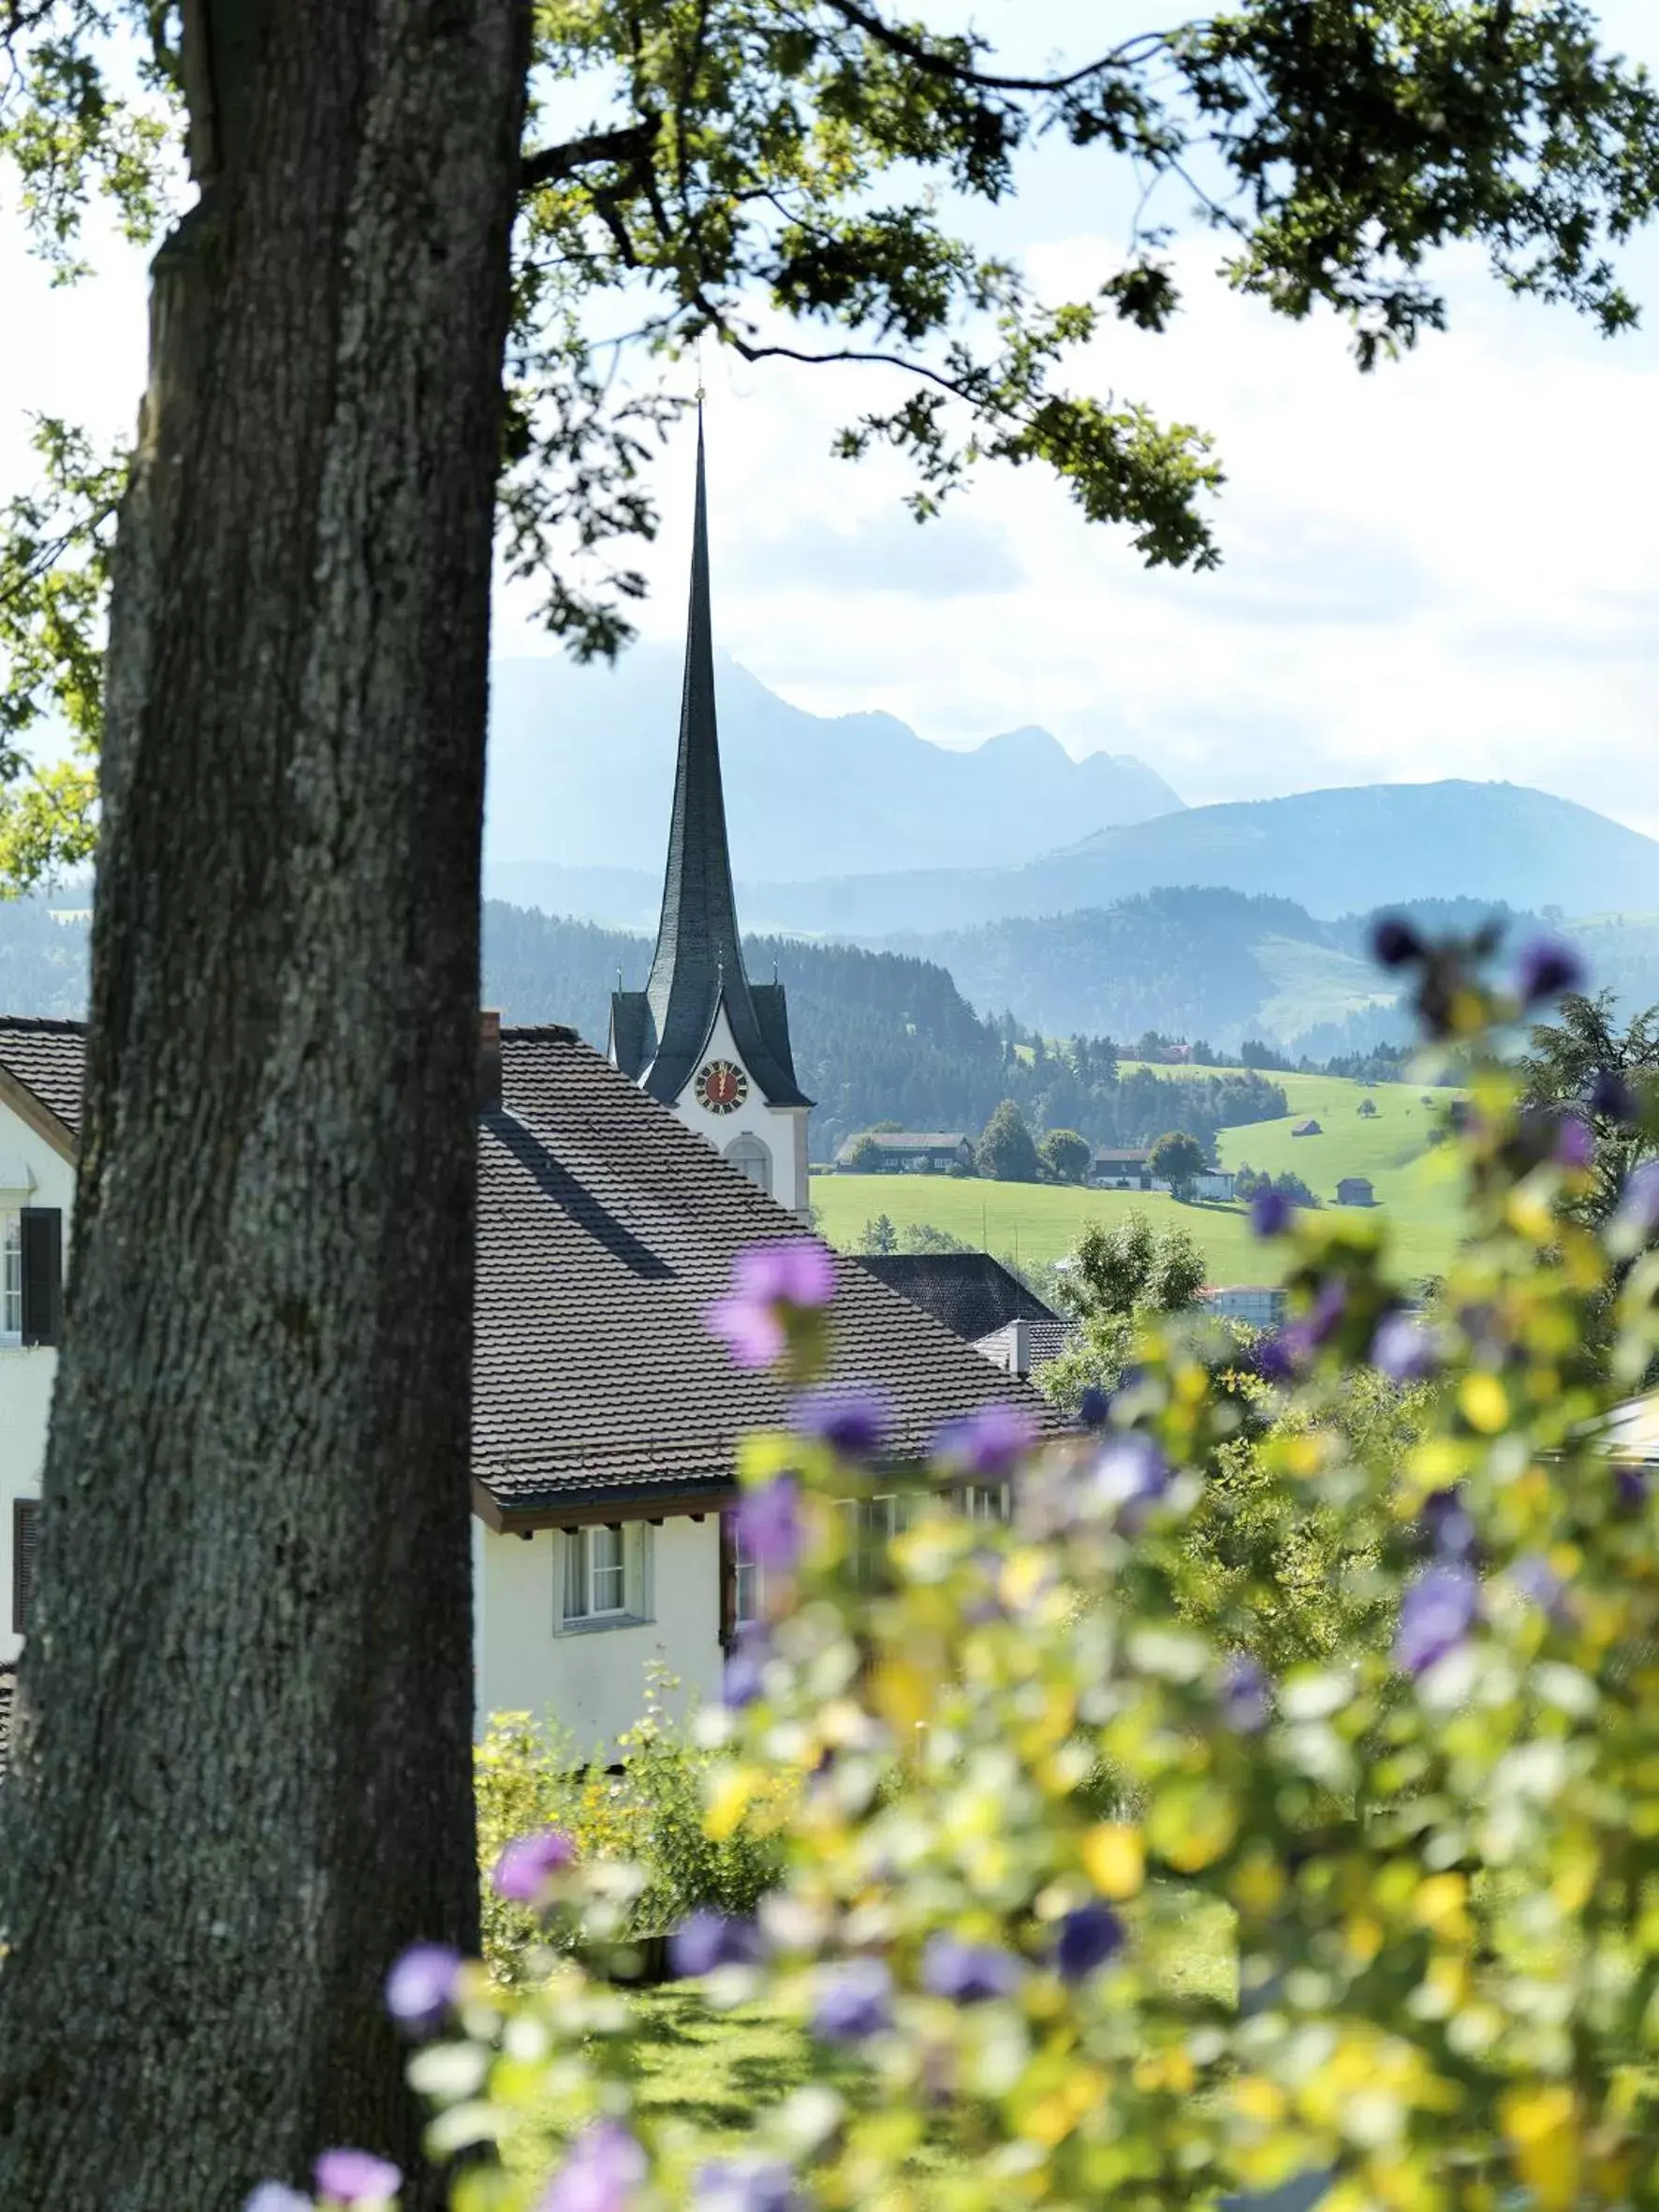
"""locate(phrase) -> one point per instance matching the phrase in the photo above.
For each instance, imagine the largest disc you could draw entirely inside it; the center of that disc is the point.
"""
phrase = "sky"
(1448, 568)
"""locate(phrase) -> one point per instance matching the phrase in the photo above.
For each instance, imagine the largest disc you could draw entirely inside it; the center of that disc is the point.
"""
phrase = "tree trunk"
(244, 1783)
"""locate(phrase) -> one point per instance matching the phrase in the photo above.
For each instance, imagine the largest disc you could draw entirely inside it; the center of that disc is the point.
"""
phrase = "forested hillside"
(879, 1037)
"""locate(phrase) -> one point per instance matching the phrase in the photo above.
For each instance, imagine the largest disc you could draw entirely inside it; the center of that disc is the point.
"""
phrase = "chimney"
(488, 1062)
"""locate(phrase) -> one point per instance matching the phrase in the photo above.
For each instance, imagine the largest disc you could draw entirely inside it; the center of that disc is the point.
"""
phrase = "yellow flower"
(1114, 1857)
(1541, 2123)
(1484, 1404)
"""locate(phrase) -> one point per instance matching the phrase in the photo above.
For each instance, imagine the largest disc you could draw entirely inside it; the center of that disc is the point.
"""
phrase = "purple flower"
(276, 2196)
(1630, 1488)
(769, 1524)
(602, 2169)
(1403, 1349)
(1638, 1203)
(1270, 1212)
(357, 2178)
(968, 1973)
(745, 1681)
(1611, 1098)
(1538, 1582)
(1129, 1472)
(853, 1421)
(854, 2001)
(529, 1863)
(1546, 968)
(744, 2185)
(1324, 1317)
(706, 1939)
(1575, 1143)
(1436, 1615)
(752, 1333)
(420, 1987)
(1094, 1407)
(1088, 1937)
(990, 1442)
(1246, 1697)
(1394, 943)
(798, 1272)
(1277, 1358)
(1447, 1520)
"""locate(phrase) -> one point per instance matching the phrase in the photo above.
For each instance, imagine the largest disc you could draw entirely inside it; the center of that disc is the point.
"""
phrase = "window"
(751, 1161)
(11, 1277)
(25, 1535)
(604, 1574)
(748, 1580)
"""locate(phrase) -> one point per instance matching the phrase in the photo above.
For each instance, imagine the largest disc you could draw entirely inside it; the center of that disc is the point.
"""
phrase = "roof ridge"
(53, 1025)
(544, 1032)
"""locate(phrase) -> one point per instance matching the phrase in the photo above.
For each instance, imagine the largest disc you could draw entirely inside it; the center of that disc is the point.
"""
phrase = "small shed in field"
(1355, 1190)
(1307, 1128)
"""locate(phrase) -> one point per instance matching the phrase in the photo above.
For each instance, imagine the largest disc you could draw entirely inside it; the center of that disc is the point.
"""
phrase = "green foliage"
(1005, 1152)
(1371, 1672)
(865, 1157)
(1179, 1160)
(55, 545)
(879, 1236)
(1561, 1070)
(642, 1817)
(1133, 1268)
(1066, 1155)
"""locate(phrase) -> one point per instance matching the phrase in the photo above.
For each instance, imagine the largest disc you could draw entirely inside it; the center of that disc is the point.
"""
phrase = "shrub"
(1066, 1155)
(1429, 1813)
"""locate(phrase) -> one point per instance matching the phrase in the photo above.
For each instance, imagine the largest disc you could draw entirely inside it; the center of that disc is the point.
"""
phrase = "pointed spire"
(698, 967)
(697, 937)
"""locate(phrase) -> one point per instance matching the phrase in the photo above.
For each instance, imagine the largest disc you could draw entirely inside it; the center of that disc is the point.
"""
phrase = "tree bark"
(244, 1782)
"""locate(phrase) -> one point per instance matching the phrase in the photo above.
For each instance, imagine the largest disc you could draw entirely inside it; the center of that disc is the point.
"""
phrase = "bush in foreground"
(1437, 1842)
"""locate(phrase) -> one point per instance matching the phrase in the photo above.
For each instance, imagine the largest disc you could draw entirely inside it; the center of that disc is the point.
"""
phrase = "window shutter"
(43, 1274)
(25, 1540)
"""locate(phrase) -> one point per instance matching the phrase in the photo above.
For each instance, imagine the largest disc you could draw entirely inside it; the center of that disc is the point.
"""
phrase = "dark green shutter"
(43, 1274)
(25, 1538)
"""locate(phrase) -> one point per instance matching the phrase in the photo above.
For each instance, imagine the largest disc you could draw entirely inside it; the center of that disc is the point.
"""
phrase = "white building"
(606, 1418)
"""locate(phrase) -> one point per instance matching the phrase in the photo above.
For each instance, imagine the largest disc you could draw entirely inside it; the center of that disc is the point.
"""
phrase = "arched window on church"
(749, 1157)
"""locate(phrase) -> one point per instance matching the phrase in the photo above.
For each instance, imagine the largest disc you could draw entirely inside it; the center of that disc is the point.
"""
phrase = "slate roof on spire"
(660, 1035)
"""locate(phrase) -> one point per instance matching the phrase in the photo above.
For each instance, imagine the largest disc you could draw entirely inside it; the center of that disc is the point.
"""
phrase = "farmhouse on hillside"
(1120, 1167)
(1307, 1128)
(1355, 1190)
(909, 1152)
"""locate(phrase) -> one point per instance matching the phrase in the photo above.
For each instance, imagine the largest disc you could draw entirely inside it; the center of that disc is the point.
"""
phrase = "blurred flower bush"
(639, 1817)
(1363, 1623)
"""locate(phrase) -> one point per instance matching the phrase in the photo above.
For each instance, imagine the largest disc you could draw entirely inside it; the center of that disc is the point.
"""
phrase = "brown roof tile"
(47, 1055)
(604, 1229)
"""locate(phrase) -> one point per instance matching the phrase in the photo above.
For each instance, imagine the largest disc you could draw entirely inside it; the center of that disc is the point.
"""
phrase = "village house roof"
(660, 1035)
(604, 1228)
(1044, 1341)
(46, 1056)
(1307, 1128)
(969, 1293)
(1130, 1155)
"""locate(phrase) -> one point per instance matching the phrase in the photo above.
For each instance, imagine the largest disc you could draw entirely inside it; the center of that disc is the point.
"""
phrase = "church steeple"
(662, 1035)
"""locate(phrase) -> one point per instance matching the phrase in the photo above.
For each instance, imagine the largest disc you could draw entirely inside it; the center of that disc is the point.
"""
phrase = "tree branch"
(550, 163)
(929, 58)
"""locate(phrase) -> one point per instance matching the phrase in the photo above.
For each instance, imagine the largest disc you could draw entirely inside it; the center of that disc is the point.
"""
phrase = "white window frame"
(11, 1276)
(604, 1577)
(748, 1581)
(746, 1151)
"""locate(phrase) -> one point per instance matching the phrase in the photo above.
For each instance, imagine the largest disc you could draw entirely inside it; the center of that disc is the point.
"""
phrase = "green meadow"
(1415, 1200)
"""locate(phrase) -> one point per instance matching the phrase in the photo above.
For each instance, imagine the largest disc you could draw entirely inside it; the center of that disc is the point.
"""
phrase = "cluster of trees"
(1247, 1182)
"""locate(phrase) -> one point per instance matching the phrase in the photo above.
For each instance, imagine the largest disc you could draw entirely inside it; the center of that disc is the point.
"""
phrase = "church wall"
(27, 1373)
(592, 1681)
(781, 1129)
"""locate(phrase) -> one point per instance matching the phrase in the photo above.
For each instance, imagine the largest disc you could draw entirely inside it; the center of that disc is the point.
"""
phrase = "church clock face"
(722, 1086)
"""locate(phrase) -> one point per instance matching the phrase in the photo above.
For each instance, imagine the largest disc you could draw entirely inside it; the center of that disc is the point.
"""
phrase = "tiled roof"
(970, 1292)
(47, 1055)
(906, 1141)
(604, 1229)
(7, 1685)
(1044, 1341)
(1119, 1152)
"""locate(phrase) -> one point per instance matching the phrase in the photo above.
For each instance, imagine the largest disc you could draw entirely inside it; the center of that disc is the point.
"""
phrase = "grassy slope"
(1041, 1221)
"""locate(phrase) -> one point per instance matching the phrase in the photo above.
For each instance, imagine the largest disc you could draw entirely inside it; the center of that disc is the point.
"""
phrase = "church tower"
(700, 1036)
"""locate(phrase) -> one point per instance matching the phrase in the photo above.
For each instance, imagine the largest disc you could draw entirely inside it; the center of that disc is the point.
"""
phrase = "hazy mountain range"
(582, 774)
(1330, 852)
